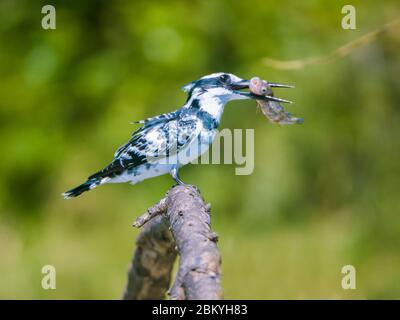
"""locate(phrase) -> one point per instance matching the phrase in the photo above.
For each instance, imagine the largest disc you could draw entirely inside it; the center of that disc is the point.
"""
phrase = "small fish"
(271, 109)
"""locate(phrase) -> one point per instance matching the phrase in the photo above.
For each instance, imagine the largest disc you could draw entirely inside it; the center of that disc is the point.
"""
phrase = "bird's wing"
(148, 123)
(164, 137)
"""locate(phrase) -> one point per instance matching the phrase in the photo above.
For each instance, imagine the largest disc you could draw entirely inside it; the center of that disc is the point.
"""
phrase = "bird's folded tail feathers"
(88, 185)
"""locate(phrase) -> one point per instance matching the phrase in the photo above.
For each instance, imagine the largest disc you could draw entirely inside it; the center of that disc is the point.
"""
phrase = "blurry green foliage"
(323, 195)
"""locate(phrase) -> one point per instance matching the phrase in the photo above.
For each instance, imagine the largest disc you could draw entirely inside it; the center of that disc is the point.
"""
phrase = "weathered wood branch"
(181, 220)
(149, 275)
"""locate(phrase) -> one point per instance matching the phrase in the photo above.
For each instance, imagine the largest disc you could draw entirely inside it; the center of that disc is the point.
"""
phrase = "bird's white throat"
(212, 105)
(211, 102)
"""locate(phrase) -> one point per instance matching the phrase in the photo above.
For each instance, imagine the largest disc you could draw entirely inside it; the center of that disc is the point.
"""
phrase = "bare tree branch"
(340, 52)
(199, 274)
(152, 212)
(186, 218)
(149, 275)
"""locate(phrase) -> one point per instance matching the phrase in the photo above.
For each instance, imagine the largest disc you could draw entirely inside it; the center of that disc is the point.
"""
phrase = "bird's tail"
(88, 185)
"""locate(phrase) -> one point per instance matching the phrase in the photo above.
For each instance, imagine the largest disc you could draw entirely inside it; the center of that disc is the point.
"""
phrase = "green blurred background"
(323, 195)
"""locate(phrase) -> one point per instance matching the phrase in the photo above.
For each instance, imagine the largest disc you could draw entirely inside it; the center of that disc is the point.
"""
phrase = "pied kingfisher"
(167, 142)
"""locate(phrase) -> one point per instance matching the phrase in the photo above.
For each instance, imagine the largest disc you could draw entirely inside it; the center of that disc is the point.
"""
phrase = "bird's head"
(225, 87)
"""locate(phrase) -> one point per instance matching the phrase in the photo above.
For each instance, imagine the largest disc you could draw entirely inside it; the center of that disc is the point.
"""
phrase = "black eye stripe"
(207, 83)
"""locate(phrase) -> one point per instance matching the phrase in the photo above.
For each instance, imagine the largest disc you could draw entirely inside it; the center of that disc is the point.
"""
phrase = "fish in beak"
(271, 108)
(245, 84)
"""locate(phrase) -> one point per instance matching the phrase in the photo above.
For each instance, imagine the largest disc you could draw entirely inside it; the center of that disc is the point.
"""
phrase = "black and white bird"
(167, 142)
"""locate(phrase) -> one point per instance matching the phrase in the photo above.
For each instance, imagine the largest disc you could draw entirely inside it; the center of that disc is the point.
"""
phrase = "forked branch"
(178, 223)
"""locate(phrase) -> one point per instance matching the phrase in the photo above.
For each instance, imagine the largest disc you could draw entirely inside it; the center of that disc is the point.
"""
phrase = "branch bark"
(149, 275)
(181, 220)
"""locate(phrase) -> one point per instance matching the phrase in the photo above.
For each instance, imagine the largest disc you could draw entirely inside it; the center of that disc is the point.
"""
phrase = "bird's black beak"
(244, 84)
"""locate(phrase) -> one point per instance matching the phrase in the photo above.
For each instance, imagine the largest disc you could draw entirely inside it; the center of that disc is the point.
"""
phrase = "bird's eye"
(225, 78)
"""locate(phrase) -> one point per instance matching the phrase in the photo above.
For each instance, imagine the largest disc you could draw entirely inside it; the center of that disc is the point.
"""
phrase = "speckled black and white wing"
(148, 123)
(159, 137)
